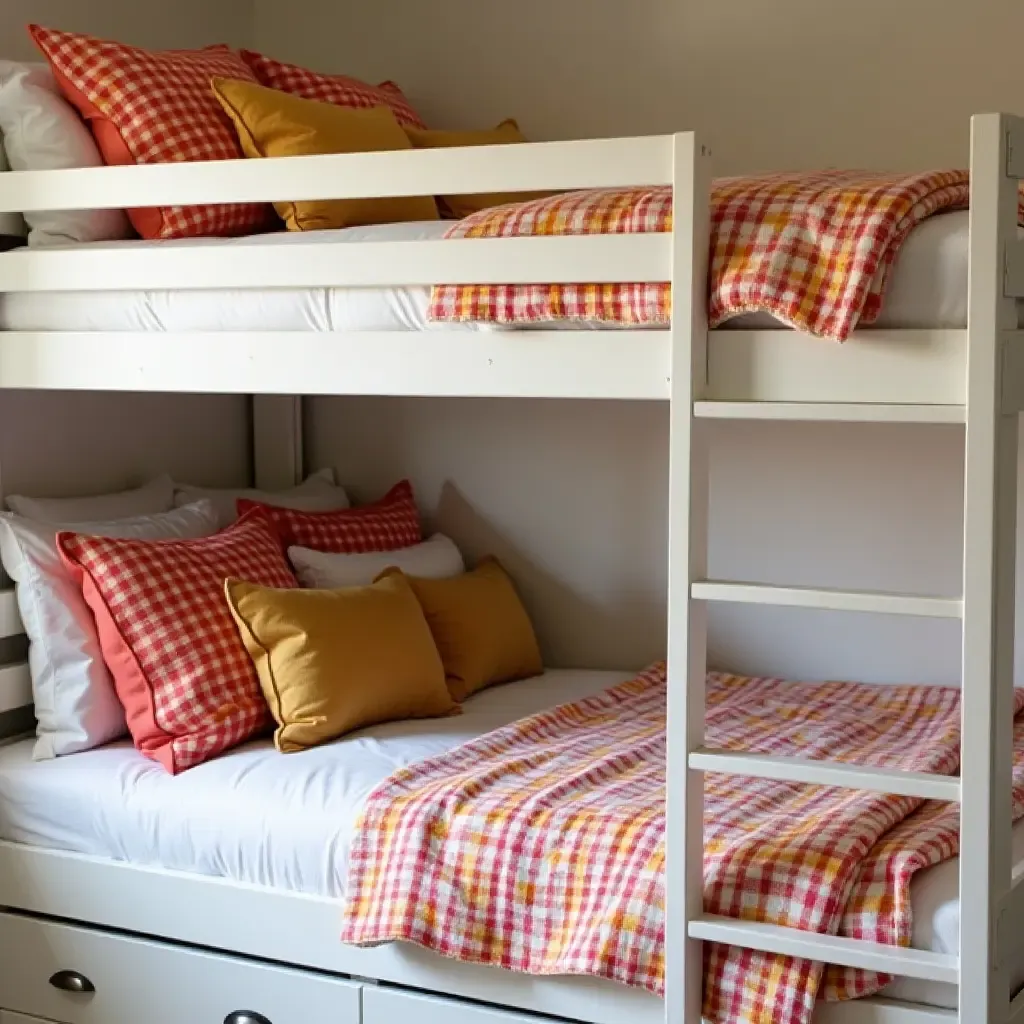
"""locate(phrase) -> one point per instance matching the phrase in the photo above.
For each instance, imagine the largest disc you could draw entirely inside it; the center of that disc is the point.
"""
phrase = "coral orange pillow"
(386, 525)
(147, 107)
(187, 685)
(338, 89)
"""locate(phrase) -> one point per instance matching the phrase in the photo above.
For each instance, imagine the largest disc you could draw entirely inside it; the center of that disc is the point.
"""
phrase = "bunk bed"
(85, 935)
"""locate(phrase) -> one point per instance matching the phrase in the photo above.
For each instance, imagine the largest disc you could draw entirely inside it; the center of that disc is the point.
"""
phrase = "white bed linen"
(286, 821)
(927, 289)
(253, 815)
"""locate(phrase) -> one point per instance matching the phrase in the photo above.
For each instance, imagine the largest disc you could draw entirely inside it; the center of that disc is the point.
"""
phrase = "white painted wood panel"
(989, 559)
(890, 367)
(592, 163)
(138, 980)
(570, 364)
(15, 686)
(294, 929)
(926, 785)
(836, 412)
(389, 1006)
(871, 956)
(597, 258)
(10, 618)
(688, 512)
(863, 601)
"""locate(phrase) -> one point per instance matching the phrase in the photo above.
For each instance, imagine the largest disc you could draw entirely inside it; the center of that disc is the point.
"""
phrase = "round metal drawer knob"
(72, 981)
(246, 1017)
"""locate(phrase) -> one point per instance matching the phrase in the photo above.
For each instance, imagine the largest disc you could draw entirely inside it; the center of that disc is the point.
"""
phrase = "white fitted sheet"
(253, 815)
(927, 289)
(286, 821)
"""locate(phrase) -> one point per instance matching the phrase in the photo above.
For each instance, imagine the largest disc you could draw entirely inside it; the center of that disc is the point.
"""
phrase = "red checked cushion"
(188, 687)
(148, 107)
(386, 525)
(338, 89)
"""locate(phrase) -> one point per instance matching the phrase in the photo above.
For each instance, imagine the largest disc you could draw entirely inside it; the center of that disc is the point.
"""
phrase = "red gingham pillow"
(337, 89)
(188, 687)
(386, 525)
(148, 107)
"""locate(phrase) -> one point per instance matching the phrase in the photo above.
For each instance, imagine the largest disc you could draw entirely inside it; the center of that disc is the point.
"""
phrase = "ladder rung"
(926, 785)
(831, 411)
(832, 600)
(832, 949)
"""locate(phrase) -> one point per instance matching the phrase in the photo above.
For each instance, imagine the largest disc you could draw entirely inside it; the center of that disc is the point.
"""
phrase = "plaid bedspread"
(539, 847)
(813, 249)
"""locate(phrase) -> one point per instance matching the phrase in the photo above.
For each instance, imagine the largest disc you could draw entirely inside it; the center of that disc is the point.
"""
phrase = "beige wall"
(876, 82)
(180, 23)
(573, 495)
(76, 443)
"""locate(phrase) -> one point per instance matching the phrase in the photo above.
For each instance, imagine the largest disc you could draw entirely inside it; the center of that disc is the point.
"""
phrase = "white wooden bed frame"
(125, 922)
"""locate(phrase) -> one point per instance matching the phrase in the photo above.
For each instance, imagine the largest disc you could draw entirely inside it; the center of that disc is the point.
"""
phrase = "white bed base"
(59, 902)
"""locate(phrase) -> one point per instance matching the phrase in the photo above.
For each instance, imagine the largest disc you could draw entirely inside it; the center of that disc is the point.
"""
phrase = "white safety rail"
(967, 379)
(627, 364)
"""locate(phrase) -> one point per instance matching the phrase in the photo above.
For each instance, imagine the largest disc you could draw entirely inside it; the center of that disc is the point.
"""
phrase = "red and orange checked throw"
(540, 846)
(813, 249)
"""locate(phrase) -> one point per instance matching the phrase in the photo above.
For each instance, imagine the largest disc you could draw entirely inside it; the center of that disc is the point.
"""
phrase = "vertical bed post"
(277, 458)
(687, 561)
(990, 495)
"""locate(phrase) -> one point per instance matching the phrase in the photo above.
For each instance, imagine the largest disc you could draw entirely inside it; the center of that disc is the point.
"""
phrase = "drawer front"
(391, 1006)
(7, 1017)
(136, 981)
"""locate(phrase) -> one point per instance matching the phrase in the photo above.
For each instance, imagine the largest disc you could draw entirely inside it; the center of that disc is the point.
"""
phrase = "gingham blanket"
(812, 249)
(539, 847)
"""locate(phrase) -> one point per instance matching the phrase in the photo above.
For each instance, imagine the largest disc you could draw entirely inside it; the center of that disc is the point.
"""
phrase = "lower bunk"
(217, 894)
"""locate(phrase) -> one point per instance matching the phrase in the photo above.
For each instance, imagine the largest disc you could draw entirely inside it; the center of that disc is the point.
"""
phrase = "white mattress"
(286, 821)
(928, 288)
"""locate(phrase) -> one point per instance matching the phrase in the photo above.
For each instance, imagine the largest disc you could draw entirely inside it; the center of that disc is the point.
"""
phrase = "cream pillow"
(148, 500)
(436, 558)
(75, 702)
(317, 493)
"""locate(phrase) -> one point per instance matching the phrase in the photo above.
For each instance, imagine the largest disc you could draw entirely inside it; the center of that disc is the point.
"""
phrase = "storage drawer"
(137, 981)
(389, 1006)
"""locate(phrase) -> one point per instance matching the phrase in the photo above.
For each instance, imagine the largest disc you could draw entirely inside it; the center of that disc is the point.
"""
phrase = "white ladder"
(986, 611)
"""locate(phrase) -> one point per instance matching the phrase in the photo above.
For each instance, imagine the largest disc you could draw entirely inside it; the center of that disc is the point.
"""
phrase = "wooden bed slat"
(835, 412)
(15, 687)
(10, 618)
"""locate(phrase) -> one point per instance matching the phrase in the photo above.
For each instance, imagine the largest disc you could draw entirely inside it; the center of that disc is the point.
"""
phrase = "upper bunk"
(752, 370)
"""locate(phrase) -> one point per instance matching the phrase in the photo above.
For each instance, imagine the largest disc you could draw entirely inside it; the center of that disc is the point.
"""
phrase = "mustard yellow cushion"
(274, 123)
(463, 205)
(330, 661)
(479, 625)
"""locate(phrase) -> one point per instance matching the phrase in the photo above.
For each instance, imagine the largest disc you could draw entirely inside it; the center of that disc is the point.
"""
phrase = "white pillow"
(43, 132)
(147, 500)
(11, 224)
(317, 493)
(435, 559)
(76, 704)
